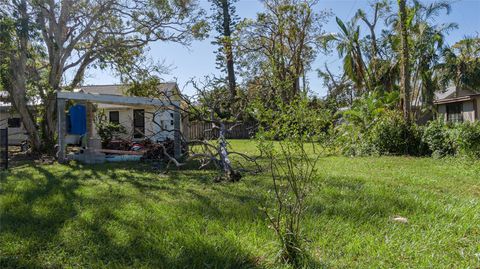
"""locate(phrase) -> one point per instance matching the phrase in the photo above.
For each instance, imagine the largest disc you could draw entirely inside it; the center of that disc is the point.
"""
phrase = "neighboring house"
(140, 122)
(11, 120)
(458, 106)
(16, 133)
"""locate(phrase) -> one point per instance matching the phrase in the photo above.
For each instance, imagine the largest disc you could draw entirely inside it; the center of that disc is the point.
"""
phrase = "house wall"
(442, 112)
(15, 135)
(468, 111)
(153, 130)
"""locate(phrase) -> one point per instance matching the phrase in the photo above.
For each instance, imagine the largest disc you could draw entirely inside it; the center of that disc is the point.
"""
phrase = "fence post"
(4, 149)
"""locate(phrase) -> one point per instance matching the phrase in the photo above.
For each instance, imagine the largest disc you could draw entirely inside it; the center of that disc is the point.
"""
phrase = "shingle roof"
(451, 92)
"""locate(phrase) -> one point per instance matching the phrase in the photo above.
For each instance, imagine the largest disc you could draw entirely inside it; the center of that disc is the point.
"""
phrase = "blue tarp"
(78, 120)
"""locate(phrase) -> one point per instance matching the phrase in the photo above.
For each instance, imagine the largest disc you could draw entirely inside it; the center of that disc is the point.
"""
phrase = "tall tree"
(349, 47)
(461, 64)
(81, 34)
(16, 52)
(427, 39)
(279, 46)
(405, 59)
(380, 9)
(225, 21)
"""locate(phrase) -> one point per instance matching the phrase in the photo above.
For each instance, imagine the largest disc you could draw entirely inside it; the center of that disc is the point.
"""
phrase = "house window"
(454, 112)
(114, 117)
(14, 123)
(138, 123)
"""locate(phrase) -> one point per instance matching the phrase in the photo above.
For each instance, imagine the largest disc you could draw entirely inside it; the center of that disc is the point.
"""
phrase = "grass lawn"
(128, 216)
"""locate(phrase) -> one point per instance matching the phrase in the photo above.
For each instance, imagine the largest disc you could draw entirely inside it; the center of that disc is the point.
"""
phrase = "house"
(458, 105)
(140, 121)
(11, 120)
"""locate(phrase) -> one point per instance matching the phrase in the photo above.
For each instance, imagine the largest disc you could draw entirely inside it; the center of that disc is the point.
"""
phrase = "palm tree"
(427, 40)
(462, 64)
(348, 47)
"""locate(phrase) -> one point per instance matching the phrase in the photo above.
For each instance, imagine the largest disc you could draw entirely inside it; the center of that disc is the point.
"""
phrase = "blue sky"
(198, 60)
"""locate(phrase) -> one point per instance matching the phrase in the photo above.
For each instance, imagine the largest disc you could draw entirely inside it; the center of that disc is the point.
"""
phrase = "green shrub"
(439, 138)
(388, 134)
(468, 139)
(391, 135)
(459, 139)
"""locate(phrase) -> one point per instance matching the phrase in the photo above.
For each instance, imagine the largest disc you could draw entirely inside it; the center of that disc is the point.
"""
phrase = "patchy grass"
(128, 216)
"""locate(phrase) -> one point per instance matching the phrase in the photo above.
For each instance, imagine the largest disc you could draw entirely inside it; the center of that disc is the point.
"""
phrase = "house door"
(138, 123)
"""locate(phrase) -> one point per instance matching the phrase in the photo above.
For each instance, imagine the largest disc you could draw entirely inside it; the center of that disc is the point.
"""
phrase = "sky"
(198, 60)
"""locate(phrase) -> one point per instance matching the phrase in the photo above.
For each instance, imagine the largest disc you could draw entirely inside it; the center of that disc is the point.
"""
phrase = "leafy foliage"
(392, 135)
(459, 139)
(107, 130)
(438, 139)
(293, 171)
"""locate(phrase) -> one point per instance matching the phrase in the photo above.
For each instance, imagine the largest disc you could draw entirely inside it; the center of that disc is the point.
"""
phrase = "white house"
(140, 122)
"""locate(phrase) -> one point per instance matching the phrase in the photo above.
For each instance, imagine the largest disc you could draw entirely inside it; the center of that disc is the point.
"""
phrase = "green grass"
(128, 216)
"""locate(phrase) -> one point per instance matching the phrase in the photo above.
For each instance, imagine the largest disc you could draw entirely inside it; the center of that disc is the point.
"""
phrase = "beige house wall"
(468, 111)
(442, 111)
(471, 110)
(153, 130)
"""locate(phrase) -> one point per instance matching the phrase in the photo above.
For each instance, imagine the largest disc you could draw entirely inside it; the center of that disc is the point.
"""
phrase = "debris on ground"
(399, 219)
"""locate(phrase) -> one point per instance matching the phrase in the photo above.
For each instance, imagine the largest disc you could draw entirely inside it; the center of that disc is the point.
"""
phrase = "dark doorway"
(138, 123)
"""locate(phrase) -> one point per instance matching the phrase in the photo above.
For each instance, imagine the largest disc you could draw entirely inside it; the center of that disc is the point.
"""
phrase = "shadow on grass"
(37, 213)
(352, 200)
(60, 225)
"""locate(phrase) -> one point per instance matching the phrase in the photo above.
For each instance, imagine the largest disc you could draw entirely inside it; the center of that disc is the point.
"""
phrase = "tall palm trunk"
(405, 59)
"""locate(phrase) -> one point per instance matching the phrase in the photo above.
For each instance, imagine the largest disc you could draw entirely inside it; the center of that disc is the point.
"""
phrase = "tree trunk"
(49, 123)
(404, 69)
(229, 173)
(17, 94)
(227, 33)
(17, 91)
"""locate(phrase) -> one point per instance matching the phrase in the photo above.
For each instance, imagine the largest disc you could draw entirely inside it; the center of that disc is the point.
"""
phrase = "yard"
(129, 216)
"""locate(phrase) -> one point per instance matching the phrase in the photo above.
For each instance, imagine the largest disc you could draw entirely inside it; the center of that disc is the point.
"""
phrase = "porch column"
(89, 118)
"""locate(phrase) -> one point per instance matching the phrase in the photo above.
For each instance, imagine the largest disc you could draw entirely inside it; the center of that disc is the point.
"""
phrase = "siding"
(442, 112)
(468, 111)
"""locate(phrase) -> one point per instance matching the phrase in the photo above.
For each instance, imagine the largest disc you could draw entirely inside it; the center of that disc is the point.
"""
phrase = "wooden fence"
(201, 130)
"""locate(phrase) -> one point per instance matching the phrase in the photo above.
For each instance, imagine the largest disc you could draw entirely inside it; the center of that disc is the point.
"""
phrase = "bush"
(468, 139)
(292, 163)
(459, 139)
(391, 135)
(439, 139)
(388, 134)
